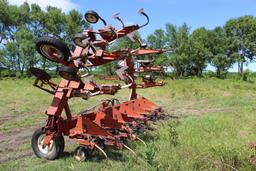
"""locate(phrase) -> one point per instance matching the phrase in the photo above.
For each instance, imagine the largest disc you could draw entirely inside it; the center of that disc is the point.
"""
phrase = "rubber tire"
(91, 12)
(84, 150)
(71, 72)
(58, 44)
(79, 37)
(41, 74)
(61, 142)
(38, 153)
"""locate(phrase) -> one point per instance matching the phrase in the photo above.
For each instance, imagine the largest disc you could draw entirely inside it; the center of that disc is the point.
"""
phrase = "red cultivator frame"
(110, 123)
(149, 80)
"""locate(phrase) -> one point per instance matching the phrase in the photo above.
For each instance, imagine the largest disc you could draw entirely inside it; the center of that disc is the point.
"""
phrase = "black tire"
(81, 153)
(68, 73)
(78, 40)
(61, 142)
(55, 45)
(41, 152)
(40, 74)
(90, 14)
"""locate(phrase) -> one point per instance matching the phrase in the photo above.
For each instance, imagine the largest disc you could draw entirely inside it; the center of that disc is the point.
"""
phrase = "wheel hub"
(80, 155)
(44, 149)
(51, 52)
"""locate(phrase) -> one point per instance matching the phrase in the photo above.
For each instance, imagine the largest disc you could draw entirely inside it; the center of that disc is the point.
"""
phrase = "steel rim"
(80, 155)
(91, 18)
(79, 42)
(52, 52)
(47, 149)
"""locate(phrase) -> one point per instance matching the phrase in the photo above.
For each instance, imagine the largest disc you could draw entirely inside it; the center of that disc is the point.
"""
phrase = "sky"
(196, 13)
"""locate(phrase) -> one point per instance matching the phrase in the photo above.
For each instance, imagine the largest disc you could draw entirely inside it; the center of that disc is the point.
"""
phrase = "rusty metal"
(149, 80)
(145, 66)
(110, 123)
(42, 79)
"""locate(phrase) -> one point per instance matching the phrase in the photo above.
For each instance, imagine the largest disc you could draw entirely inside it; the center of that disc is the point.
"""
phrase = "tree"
(16, 17)
(25, 41)
(19, 55)
(158, 40)
(55, 23)
(220, 59)
(10, 56)
(241, 37)
(199, 50)
(74, 24)
(21, 26)
(9, 19)
(37, 22)
(178, 42)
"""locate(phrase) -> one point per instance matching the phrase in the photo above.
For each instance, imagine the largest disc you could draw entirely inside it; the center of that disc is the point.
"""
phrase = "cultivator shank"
(109, 123)
(149, 80)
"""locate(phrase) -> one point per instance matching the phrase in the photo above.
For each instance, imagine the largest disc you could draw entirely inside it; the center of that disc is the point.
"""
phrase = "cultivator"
(149, 80)
(109, 123)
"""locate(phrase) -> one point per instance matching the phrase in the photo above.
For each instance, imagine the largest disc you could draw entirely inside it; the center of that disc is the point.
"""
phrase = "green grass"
(215, 125)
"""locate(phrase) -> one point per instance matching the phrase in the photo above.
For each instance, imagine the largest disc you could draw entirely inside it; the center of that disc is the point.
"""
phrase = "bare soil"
(12, 144)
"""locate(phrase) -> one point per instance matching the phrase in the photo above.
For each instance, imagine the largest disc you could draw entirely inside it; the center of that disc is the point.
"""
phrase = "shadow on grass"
(96, 156)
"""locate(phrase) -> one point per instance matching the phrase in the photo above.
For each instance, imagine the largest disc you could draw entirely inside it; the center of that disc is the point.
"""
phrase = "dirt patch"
(253, 157)
(16, 144)
(193, 108)
(252, 146)
(189, 111)
(16, 135)
(16, 156)
(253, 160)
(4, 119)
(12, 144)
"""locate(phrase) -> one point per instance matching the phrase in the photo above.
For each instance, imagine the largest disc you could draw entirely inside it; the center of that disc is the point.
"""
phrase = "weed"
(173, 134)
(150, 153)
(214, 125)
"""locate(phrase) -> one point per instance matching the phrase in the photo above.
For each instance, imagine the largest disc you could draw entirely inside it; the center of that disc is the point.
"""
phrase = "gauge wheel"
(81, 153)
(91, 17)
(53, 49)
(40, 74)
(68, 73)
(78, 40)
(49, 152)
(61, 142)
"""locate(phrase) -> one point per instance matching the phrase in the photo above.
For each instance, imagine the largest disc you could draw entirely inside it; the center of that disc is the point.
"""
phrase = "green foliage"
(9, 18)
(247, 75)
(199, 50)
(241, 39)
(188, 53)
(150, 153)
(179, 45)
(173, 134)
(74, 24)
(21, 26)
(158, 40)
(220, 59)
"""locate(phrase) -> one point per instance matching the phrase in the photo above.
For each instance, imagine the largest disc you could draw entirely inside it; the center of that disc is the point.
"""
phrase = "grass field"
(212, 125)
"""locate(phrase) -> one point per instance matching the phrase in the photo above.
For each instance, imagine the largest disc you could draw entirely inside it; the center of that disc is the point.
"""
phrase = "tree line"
(221, 47)
(189, 52)
(21, 26)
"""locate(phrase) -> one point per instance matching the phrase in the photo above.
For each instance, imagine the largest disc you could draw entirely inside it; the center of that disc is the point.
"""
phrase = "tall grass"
(211, 126)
